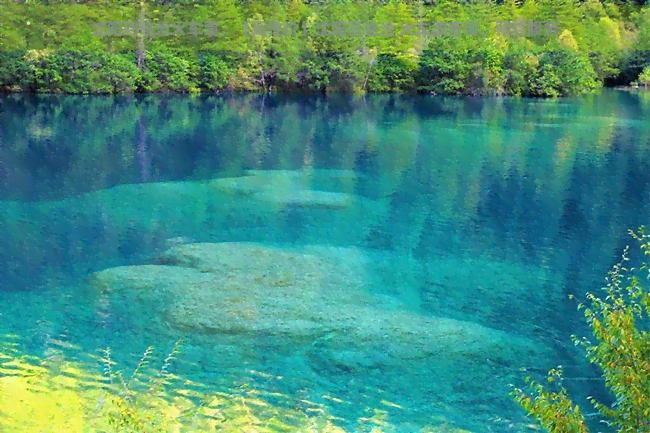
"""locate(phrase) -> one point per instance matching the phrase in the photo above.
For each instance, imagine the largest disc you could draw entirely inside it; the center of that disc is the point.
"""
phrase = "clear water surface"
(408, 255)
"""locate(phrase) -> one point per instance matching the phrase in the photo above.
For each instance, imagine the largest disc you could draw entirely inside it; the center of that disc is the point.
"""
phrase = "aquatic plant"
(54, 395)
(619, 322)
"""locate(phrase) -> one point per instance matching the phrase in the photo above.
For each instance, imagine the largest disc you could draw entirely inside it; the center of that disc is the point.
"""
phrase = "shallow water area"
(395, 266)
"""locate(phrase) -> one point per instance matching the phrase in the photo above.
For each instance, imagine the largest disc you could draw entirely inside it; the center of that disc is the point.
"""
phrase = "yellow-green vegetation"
(54, 395)
(58, 396)
(644, 78)
(51, 48)
(619, 323)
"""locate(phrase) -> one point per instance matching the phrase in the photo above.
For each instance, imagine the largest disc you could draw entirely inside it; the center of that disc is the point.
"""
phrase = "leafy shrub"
(392, 73)
(331, 71)
(175, 70)
(215, 71)
(443, 71)
(489, 70)
(619, 323)
(79, 72)
(518, 67)
(15, 75)
(644, 77)
(563, 73)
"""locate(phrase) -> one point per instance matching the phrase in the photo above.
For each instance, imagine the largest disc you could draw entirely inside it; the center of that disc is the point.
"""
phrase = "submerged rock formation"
(294, 188)
(304, 302)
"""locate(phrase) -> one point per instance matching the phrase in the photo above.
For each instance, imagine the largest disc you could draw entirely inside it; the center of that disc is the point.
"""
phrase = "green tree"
(619, 323)
(445, 67)
(392, 72)
(564, 72)
(520, 66)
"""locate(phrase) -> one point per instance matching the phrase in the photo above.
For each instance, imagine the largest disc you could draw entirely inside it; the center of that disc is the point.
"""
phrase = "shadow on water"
(472, 210)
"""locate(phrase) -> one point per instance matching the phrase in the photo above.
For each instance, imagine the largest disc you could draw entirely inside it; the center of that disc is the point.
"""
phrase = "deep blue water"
(552, 186)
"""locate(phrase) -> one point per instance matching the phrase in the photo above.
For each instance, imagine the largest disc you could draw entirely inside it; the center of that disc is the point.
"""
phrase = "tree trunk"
(139, 37)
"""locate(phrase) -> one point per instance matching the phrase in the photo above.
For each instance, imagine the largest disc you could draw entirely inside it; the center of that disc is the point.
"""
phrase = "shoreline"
(307, 93)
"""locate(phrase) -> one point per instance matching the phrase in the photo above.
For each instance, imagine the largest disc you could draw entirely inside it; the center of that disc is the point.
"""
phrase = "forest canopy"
(443, 47)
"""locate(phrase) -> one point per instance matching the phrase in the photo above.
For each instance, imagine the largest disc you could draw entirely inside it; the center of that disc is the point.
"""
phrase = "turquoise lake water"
(458, 226)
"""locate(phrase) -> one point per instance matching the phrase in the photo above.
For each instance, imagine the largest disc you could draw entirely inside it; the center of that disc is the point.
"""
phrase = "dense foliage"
(619, 323)
(597, 43)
